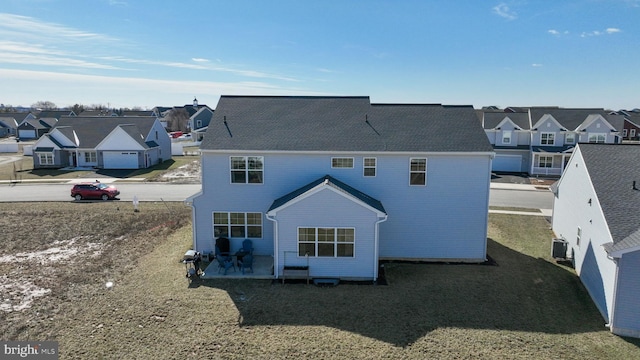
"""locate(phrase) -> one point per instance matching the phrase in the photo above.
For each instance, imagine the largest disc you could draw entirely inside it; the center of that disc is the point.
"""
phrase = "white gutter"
(275, 245)
(376, 247)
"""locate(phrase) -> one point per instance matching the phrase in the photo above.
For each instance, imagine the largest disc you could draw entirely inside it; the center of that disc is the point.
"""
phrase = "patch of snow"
(17, 295)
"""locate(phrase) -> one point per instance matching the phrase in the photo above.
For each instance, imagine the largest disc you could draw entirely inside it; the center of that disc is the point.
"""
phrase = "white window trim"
(46, 157)
(632, 133)
(335, 241)
(374, 167)
(504, 133)
(548, 133)
(344, 158)
(246, 226)
(426, 167)
(571, 136)
(597, 135)
(246, 169)
(624, 132)
(540, 157)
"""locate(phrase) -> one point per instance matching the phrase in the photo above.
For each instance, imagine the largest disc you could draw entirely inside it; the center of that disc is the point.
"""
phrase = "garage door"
(27, 134)
(120, 160)
(510, 163)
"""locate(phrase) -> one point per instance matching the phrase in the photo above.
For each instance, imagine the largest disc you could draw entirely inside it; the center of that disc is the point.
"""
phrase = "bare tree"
(44, 105)
(177, 119)
(77, 109)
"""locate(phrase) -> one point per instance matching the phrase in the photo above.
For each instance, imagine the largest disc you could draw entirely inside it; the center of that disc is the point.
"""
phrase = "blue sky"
(146, 53)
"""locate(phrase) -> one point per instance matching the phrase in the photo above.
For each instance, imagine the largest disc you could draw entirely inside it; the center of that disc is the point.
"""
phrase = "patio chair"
(224, 261)
(223, 244)
(247, 246)
(246, 263)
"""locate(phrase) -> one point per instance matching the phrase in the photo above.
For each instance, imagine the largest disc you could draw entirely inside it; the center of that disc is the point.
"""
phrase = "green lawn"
(524, 307)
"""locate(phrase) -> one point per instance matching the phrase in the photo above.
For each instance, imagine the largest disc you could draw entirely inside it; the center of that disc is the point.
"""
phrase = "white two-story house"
(343, 183)
(510, 136)
(556, 131)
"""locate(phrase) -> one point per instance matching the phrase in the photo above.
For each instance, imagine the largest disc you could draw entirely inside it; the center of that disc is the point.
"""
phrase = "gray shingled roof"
(92, 130)
(492, 119)
(613, 169)
(572, 118)
(331, 181)
(301, 123)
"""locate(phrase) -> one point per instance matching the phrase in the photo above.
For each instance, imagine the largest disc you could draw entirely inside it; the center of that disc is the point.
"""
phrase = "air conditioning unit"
(559, 248)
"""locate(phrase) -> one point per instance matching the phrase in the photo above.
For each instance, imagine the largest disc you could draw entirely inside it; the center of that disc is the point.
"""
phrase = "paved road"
(62, 192)
(539, 199)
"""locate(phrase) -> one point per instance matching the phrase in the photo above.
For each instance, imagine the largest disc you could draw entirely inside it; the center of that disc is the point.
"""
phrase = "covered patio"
(262, 269)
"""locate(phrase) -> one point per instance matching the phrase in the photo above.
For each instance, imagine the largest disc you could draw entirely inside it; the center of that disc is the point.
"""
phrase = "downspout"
(193, 227)
(276, 265)
(376, 247)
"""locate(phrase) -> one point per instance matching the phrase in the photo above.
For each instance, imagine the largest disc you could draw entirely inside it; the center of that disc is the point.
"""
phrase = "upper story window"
(597, 138)
(506, 137)
(570, 139)
(418, 171)
(547, 138)
(369, 165)
(632, 133)
(624, 132)
(342, 163)
(247, 169)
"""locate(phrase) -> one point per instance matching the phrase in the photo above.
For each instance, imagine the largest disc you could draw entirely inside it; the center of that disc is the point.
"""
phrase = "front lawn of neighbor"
(23, 170)
(524, 306)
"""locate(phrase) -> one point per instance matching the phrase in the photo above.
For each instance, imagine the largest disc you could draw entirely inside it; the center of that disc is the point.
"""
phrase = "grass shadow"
(522, 293)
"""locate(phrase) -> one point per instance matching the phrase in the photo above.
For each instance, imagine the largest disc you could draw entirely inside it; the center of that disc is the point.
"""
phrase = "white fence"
(7, 147)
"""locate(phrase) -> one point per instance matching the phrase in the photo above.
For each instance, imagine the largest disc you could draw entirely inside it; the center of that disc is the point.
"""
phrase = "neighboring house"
(596, 211)
(30, 129)
(510, 135)
(100, 113)
(110, 142)
(631, 129)
(556, 131)
(137, 113)
(343, 183)
(199, 122)
(57, 114)
(8, 126)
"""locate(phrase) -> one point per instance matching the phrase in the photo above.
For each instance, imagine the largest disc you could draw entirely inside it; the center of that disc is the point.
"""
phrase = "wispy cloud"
(608, 31)
(28, 28)
(555, 32)
(39, 43)
(504, 11)
(110, 87)
(536, 65)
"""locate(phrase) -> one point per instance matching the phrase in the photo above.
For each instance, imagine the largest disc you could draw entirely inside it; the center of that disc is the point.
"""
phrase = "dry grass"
(526, 307)
(23, 170)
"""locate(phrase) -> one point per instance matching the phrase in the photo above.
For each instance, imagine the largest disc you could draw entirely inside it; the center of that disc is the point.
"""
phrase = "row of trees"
(77, 108)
